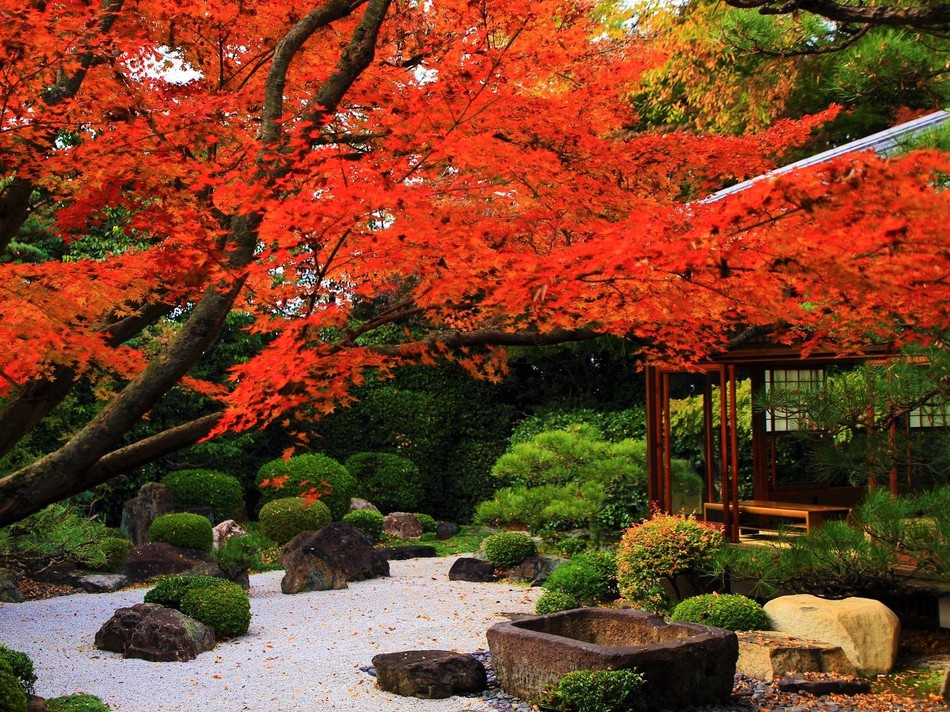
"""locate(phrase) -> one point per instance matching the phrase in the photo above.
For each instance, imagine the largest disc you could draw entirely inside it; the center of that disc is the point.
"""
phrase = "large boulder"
(8, 588)
(446, 530)
(474, 570)
(147, 561)
(228, 529)
(343, 546)
(765, 655)
(402, 525)
(535, 570)
(152, 501)
(152, 632)
(306, 571)
(429, 674)
(866, 630)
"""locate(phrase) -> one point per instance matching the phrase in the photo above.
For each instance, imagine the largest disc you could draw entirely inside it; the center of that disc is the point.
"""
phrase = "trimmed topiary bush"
(428, 523)
(601, 691)
(115, 550)
(311, 474)
(206, 488)
(369, 521)
(589, 578)
(12, 696)
(21, 666)
(225, 608)
(658, 552)
(507, 549)
(725, 610)
(189, 531)
(76, 703)
(283, 519)
(554, 601)
(171, 589)
(391, 482)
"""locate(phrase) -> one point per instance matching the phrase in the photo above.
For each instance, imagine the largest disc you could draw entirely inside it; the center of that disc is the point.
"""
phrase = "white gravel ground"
(302, 652)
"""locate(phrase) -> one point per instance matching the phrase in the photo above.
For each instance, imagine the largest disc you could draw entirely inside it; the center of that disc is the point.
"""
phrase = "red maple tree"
(334, 169)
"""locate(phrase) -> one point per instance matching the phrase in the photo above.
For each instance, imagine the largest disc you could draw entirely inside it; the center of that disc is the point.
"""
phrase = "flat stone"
(765, 655)
(474, 570)
(152, 632)
(866, 630)
(101, 583)
(403, 553)
(429, 674)
(796, 683)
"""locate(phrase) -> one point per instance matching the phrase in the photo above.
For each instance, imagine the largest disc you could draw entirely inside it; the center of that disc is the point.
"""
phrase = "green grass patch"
(921, 683)
(466, 542)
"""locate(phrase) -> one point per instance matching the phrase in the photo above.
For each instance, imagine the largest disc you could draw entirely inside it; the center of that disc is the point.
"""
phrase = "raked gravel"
(302, 652)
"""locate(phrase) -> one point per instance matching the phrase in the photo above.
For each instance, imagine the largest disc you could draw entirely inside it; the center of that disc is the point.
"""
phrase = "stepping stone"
(429, 674)
(402, 553)
(796, 683)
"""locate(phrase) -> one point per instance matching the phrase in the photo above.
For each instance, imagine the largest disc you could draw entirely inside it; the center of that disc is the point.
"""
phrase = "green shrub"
(369, 521)
(429, 525)
(171, 589)
(308, 475)
(225, 608)
(657, 552)
(12, 696)
(543, 510)
(589, 578)
(283, 519)
(601, 691)
(391, 482)
(115, 550)
(21, 666)
(206, 488)
(570, 545)
(245, 553)
(76, 703)
(554, 601)
(507, 549)
(729, 611)
(189, 531)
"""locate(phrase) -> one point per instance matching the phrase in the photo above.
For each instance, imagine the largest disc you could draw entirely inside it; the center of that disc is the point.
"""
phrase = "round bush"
(726, 610)
(189, 531)
(115, 551)
(391, 482)
(171, 589)
(12, 696)
(602, 691)
(283, 519)
(206, 488)
(429, 525)
(305, 474)
(225, 608)
(369, 521)
(660, 549)
(21, 666)
(554, 601)
(76, 703)
(507, 549)
(589, 578)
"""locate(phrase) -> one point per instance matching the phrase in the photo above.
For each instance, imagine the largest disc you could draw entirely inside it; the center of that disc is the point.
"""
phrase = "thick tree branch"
(928, 16)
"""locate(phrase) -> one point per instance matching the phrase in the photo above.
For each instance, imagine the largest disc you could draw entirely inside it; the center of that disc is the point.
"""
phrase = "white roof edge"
(883, 143)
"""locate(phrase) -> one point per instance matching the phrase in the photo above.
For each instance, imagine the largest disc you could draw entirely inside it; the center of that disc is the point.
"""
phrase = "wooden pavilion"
(777, 494)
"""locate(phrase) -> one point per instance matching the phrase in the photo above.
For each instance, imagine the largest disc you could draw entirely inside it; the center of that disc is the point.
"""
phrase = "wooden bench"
(813, 515)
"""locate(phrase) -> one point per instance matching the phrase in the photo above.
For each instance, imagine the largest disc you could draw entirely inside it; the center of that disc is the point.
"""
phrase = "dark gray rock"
(152, 632)
(235, 574)
(306, 571)
(343, 546)
(101, 583)
(402, 525)
(8, 589)
(152, 501)
(851, 686)
(470, 569)
(446, 530)
(429, 674)
(401, 553)
(157, 559)
(535, 569)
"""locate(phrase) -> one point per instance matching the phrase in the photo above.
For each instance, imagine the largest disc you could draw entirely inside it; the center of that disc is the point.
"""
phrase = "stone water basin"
(684, 663)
